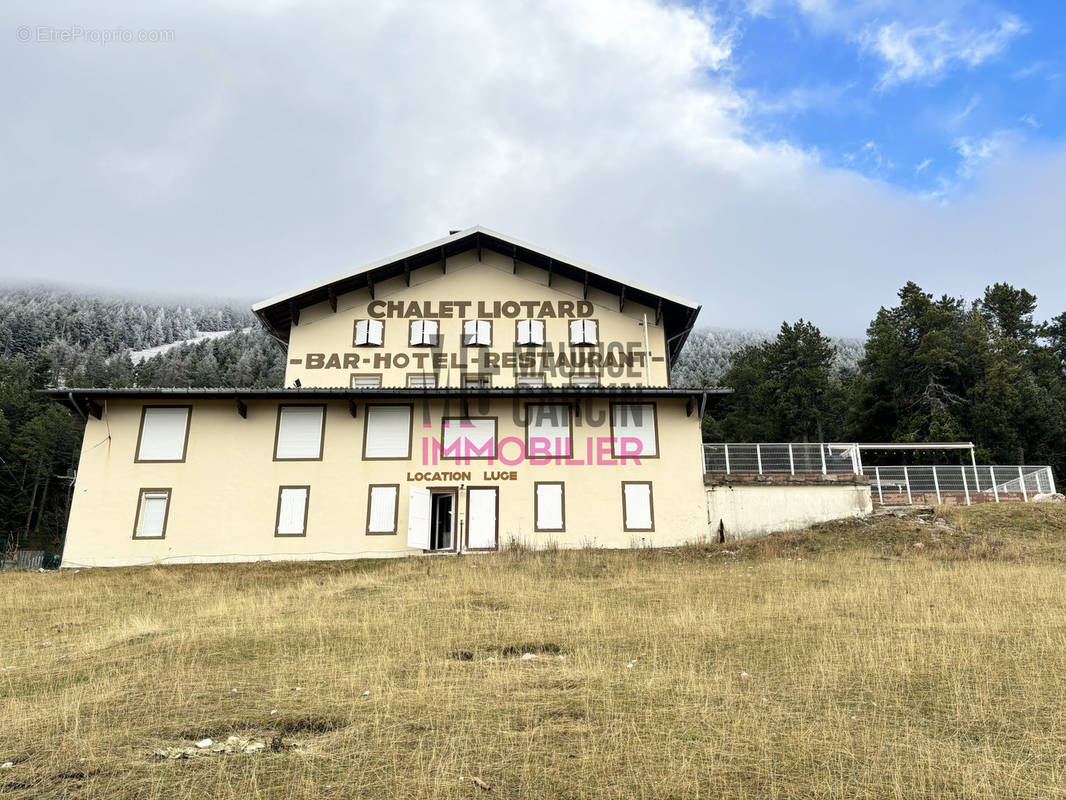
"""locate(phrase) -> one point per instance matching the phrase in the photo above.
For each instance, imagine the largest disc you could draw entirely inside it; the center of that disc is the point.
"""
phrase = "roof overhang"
(676, 314)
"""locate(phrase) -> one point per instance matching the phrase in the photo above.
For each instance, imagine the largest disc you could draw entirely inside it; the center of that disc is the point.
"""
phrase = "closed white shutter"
(549, 507)
(163, 434)
(549, 430)
(634, 430)
(637, 499)
(591, 335)
(430, 332)
(529, 380)
(300, 433)
(421, 381)
(536, 331)
(584, 380)
(366, 381)
(419, 512)
(469, 438)
(382, 509)
(153, 514)
(481, 524)
(291, 511)
(388, 432)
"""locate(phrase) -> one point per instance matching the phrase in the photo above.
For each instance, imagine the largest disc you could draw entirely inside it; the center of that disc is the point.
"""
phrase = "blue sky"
(913, 94)
(769, 159)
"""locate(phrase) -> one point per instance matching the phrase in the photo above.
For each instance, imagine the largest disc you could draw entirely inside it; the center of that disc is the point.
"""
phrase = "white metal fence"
(893, 484)
(785, 459)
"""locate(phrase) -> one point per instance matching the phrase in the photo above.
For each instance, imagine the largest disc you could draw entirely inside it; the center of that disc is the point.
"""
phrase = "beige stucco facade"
(224, 495)
(631, 347)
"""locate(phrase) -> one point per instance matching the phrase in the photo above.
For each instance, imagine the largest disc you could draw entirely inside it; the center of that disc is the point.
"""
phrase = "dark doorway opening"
(442, 521)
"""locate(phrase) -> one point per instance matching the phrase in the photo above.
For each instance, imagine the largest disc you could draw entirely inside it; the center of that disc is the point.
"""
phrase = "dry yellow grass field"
(885, 659)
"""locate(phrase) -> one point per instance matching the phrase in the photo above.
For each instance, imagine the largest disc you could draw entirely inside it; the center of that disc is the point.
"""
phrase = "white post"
(965, 487)
(973, 460)
(821, 452)
(907, 480)
(1021, 480)
(992, 475)
(726, 447)
(758, 456)
(880, 494)
(936, 483)
(791, 461)
(1051, 479)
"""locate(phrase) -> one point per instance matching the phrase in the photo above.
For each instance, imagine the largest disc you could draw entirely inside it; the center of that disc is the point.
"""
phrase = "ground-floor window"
(637, 509)
(382, 508)
(153, 510)
(292, 511)
(549, 506)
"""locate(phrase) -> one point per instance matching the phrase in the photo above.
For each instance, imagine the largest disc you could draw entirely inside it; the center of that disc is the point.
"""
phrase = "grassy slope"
(842, 662)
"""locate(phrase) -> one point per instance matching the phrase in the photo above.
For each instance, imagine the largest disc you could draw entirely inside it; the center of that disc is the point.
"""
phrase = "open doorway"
(442, 521)
(431, 523)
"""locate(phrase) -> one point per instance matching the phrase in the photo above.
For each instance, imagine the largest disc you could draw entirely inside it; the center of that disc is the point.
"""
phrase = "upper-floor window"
(477, 333)
(583, 331)
(164, 433)
(153, 508)
(584, 380)
(423, 380)
(366, 380)
(369, 333)
(529, 332)
(477, 381)
(634, 430)
(300, 433)
(387, 432)
(529, 380)
(425, 332)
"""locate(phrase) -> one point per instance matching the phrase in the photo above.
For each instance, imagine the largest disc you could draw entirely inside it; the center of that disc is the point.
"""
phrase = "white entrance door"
(419, 514)
(481, 519)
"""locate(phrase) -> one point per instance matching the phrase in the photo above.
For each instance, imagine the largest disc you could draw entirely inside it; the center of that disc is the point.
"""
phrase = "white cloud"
(927, 52)
(610, 131)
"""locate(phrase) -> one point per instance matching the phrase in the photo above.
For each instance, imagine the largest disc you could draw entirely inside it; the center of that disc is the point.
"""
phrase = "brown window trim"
(395, 508)
(542, 375)
(651, 507)
(462, 332)
(322, 437)
(277, 517)
(368, 344)
(536, 506)
(655, 422)
(466, 533)
(599, 338)
(166, 514)
(184, 447)
(354, 375)
(410, 430)
(410, 327)
(570, 418)
(454, 492)
(464, 458)
(544, 327)
(476, 376)
(599, 381)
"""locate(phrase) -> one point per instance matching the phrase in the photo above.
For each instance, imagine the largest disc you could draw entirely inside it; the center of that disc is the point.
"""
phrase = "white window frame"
(534, 381)
(149, 452)
(584, 332)
(421, 380)
(374, 451)
(283, 450)
(476, 381)
(365, 381)
(585, 381)
(529, 332)
(477, 333)
(378, 493)
(285, 492)
(424, 333)
(143, 497)
(369, 333)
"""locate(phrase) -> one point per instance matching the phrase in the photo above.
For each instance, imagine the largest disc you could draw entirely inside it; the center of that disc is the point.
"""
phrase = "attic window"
(583, 332)
(477, 333)
(424, 332)
(530, 332)
(369, 333)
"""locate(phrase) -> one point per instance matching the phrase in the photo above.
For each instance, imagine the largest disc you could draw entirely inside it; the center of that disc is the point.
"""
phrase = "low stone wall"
(946, 498)
(742, 508)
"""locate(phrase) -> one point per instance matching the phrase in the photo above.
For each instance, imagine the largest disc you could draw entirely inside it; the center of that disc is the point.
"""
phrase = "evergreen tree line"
(932, 369)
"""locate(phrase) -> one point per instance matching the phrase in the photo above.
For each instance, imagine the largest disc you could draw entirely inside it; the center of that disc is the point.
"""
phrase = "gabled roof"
(677, 315)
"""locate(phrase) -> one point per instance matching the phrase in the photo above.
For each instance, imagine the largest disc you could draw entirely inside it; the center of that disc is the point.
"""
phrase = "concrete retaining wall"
(747, 510)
